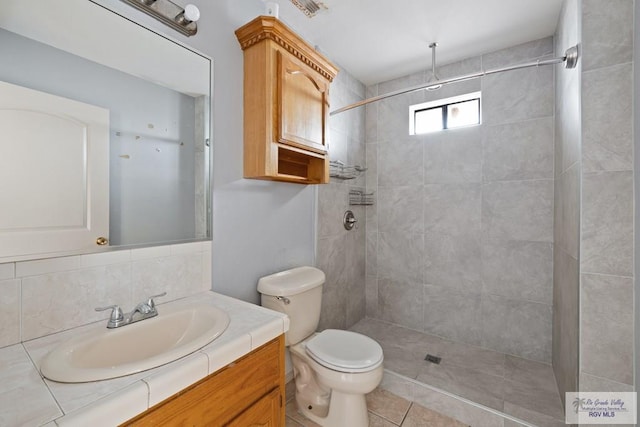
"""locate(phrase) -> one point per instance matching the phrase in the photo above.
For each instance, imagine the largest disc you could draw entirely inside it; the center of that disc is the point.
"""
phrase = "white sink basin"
(110, 353)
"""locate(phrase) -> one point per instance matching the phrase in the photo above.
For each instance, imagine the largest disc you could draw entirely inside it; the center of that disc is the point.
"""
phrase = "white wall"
(259, 227)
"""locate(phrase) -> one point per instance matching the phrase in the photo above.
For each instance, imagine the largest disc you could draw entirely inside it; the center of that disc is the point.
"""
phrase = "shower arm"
(570, 59)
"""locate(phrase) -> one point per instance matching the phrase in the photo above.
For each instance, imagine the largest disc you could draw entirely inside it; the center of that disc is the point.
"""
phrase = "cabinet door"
(264, 413)
(303, 105)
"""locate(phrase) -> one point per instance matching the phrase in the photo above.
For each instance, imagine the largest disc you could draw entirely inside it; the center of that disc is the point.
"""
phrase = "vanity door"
(54, 173)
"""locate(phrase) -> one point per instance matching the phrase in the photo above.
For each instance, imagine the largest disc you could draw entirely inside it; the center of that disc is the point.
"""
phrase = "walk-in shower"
(460, 241)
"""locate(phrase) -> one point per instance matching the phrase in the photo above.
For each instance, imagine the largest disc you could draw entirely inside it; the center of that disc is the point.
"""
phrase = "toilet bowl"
(333, 369)
(331, 388)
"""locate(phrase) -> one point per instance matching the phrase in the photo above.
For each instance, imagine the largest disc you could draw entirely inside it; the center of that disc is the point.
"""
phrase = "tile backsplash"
(42, 297)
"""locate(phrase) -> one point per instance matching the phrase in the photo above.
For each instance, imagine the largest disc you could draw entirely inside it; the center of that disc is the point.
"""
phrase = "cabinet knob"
(101, 241)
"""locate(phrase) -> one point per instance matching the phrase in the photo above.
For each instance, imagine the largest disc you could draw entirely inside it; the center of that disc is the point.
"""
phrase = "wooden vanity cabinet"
(248, 392)
(286, 104)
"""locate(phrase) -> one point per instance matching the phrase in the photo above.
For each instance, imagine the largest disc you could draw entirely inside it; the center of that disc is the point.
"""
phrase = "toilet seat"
(345, 351)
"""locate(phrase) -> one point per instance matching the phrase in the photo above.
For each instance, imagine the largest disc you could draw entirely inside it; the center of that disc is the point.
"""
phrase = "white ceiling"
(378, 40)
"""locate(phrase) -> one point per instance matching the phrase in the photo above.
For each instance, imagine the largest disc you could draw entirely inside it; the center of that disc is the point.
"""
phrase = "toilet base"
(332, 398)
(345, 410)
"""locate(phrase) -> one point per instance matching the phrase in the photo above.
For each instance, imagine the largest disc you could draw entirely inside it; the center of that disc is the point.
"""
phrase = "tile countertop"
(27, 399)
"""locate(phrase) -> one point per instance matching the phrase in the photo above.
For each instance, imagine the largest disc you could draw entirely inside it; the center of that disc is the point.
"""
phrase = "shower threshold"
(505, 383)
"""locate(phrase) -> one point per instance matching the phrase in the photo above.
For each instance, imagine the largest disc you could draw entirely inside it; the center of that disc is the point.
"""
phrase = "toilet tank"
(298, 294)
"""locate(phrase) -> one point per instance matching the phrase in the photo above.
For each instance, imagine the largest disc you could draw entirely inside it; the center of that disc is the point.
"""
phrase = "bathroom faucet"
(145, 310)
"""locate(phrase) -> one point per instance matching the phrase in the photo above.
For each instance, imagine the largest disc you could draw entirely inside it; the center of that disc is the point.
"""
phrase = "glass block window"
(444, 114)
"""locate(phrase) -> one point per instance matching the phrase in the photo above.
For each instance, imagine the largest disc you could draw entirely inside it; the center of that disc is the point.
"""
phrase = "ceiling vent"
(309, 7)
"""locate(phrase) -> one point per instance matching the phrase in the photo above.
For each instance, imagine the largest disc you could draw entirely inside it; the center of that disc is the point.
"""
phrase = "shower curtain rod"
(570, 59)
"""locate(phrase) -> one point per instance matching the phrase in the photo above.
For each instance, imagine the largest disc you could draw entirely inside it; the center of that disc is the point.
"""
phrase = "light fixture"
(169, 13)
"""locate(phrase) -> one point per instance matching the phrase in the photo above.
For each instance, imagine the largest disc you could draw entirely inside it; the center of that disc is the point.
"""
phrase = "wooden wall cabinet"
(248, 392)
(286, 104)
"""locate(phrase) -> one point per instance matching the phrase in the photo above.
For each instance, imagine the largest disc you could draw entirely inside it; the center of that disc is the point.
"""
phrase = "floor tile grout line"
(383, 417)
(406, 413)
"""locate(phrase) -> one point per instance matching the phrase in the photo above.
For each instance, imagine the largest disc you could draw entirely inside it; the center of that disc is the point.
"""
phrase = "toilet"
(333, 369)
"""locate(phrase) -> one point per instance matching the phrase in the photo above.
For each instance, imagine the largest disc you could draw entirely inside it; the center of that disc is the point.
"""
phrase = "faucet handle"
(116, 313)
(152, 303)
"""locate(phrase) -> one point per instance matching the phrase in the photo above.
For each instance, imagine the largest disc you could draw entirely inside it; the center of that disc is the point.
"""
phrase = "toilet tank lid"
(291, 282)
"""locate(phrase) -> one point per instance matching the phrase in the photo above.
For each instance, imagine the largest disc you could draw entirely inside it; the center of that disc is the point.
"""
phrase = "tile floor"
(385, 410)
(515, 386)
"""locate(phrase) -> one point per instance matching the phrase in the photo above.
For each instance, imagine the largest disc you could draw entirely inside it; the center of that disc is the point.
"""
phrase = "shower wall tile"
(607, 223)
(356, 155)
(371, 123)
(401, 256)
(357, 130)
(332, 259)
(565, 321)
(454, 156)
(371, 174)
(607, 33)
(332, 200)
(401, 82)
(517, 327)
(568, 118)
(393, 116)
(9, 312)
(356, 242)
(607, 327)
(453, 209)
(459, 68)
(593, 383)
(518, 54)
(567, 210)
(371, 213)
(338, 146)
(518, 151)
(400, 302)
(517, 95)
(371, 296)
(400, 162)
(607, 246)
(356, 86)
(7, 271)
(453, 263)
(372, 253)
(518, 269)
(371, 116)
(455, 315)
(607, 101)
(518, 210)
(356, 300)
(400, 210)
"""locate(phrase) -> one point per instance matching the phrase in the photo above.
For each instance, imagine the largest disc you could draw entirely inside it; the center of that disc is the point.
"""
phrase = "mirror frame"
(49, 23)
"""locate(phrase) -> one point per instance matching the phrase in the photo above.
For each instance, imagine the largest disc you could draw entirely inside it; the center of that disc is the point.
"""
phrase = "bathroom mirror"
(106, 132)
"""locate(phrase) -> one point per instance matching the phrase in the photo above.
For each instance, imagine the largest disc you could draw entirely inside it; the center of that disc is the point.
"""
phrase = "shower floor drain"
(433, 359)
